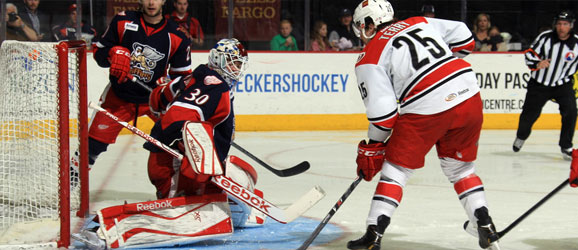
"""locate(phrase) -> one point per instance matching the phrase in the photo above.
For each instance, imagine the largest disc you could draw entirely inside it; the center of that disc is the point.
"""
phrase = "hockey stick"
(139, 82)
(331, 213)
(536, 206)
(295, 170)
(281, 215)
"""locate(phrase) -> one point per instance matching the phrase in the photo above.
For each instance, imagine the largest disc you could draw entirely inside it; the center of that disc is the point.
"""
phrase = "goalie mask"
(371, 11)
(229, 58)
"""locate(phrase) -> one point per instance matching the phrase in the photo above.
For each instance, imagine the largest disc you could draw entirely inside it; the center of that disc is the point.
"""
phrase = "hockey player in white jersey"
(418, 93)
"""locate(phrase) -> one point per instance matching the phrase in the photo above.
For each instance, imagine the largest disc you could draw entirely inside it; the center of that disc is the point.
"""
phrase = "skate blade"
(494, 246)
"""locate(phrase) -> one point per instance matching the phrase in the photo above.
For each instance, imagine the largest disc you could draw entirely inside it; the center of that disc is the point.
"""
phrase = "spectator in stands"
(319, 40)
(38, 20)
(189, 25)
(487, 38)
(343, 36)
(428, 10)
(284, 41)
(67, 30)
(16, 29)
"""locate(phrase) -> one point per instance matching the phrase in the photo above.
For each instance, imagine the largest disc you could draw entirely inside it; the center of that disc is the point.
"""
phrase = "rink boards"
(318, 91)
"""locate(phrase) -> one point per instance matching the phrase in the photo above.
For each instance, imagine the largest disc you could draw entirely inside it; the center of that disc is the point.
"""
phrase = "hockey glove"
(119, 58)
(370, 158)
(574, 169)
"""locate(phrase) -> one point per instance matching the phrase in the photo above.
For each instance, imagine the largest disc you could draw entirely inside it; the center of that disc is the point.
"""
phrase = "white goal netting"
(30, 143)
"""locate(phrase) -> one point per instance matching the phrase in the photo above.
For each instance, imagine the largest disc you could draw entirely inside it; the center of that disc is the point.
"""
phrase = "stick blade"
(306, 202)
(295, 170)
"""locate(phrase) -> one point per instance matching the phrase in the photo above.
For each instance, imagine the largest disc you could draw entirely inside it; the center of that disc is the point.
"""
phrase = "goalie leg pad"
(165, 222)
(245, 175)
(200, 148)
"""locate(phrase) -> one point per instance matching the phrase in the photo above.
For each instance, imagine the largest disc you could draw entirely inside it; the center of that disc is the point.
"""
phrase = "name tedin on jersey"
(143, 60)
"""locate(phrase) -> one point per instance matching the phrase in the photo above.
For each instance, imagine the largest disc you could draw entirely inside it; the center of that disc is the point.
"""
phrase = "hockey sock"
(95, 148)
(388, 192)
(470, 191)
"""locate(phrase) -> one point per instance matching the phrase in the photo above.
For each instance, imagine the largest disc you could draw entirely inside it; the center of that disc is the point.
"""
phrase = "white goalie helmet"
(229, 58)
(376, 11)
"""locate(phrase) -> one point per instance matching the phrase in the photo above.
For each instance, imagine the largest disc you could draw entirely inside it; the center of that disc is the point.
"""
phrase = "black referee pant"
(536, 97)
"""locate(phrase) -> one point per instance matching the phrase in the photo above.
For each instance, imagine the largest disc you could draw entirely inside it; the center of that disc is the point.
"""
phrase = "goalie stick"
(331, 213)
(281, 215)
(295, 170)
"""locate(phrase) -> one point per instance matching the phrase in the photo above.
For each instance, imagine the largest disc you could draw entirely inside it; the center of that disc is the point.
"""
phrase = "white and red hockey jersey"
(414, 66)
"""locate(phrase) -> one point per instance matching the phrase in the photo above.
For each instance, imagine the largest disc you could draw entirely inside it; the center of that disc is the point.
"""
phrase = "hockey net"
(43, 125)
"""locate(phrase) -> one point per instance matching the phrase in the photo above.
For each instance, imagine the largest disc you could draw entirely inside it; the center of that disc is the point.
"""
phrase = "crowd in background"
(329, 27)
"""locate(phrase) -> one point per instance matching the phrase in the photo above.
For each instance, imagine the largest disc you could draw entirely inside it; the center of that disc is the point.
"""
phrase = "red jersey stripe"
(437, 75)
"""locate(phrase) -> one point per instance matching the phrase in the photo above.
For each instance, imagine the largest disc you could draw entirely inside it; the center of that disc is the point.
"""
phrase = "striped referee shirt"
(563, 63)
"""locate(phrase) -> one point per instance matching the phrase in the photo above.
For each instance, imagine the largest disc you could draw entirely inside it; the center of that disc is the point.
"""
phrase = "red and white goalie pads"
(166, 222)
(200, 149)
(245, 175)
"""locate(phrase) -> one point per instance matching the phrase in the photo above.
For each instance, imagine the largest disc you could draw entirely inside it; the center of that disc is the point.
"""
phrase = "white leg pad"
(245, 175)
(165, 222)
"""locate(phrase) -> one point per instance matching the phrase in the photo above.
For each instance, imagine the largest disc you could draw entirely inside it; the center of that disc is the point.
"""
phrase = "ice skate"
(90, 238)
(518, 143)
(372, 237)
(487, 234)
(566, 153)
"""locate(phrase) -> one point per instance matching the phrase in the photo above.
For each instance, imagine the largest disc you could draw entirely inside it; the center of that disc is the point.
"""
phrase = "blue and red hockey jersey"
(206, 98)
(154, 48)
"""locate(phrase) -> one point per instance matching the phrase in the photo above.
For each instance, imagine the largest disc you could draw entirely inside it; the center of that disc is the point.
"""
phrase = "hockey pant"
(103, 130)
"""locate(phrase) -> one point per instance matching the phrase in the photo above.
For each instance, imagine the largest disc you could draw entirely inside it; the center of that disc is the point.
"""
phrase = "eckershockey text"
(292, 83)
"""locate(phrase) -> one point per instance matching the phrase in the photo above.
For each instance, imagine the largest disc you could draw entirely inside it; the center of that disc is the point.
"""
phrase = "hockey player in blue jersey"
(140, 44)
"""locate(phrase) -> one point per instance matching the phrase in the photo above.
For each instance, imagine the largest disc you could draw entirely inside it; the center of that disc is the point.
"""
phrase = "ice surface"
(430, 215)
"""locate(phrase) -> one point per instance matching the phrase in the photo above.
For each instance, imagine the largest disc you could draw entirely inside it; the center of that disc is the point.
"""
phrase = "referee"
(552, 58)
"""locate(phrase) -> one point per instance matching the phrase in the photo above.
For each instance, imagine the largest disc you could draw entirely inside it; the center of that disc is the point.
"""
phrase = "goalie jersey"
(206, 98)
(153, 47)
(415, 64)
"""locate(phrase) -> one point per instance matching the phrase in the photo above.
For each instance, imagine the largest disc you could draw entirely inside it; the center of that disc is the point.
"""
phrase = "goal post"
(43, 126)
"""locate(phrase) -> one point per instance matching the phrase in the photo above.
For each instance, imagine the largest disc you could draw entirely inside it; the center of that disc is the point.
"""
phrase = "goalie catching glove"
(119, 58)
(370, 158)
(574, 169)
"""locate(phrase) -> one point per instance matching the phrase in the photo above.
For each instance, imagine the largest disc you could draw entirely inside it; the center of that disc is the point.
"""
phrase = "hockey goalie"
(195, 118)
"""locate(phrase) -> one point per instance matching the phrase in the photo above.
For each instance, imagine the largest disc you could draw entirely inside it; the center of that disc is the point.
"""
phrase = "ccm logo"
(370, 153)
(153, 206)
(242, 193)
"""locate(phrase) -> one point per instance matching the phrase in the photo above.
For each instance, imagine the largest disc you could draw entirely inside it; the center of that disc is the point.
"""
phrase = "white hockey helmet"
(229, 58)
(376, 11)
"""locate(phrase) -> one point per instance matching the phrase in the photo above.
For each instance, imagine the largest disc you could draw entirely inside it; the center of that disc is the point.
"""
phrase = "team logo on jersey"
(451, 97)
(143, 61)
(569, 56)
(212, 80)
(360, 56)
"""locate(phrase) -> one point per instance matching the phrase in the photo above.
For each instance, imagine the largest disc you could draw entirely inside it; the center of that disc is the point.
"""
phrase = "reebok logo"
(153, 206)
(241, 193)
